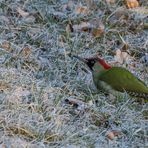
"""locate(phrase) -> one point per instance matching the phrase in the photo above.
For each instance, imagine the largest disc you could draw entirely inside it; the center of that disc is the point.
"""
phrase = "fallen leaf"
(113, 134)
(95, 27)
(82, 10)
(22, 12)
(4, 86)
(121, 57)
(97, 32)
(26, 51)
(132, 3)
(6, 45)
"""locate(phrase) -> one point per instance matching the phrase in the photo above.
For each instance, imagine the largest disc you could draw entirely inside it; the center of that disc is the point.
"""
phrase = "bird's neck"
(98, 70)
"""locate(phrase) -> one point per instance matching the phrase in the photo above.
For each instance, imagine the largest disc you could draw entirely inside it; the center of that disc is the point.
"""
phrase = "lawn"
(47, 97)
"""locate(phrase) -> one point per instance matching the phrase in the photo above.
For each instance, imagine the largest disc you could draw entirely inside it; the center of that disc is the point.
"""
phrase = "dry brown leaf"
(95, 27)
(110, 135)
(121, 57)
(97, 32)
(22, 12)
(82, 10)
(113, 134)
(26, 51)
(6, 45)
(4, 86)
(132, 3)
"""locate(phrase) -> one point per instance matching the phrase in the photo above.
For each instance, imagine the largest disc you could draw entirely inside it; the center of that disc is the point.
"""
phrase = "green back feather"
(119, 79)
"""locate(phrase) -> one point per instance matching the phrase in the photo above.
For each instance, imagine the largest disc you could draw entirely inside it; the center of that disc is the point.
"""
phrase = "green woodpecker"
(116, 79)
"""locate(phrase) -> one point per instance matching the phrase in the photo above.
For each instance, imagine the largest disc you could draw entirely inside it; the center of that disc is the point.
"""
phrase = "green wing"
(122, 80)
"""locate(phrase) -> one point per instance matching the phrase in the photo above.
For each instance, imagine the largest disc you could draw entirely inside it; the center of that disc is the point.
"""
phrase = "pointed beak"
(81, 59)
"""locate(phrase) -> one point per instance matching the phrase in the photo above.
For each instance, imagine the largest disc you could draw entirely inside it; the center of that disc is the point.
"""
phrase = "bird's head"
(94, 63)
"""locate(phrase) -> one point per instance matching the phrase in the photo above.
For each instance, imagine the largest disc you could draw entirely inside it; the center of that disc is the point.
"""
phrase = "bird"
(114, 79)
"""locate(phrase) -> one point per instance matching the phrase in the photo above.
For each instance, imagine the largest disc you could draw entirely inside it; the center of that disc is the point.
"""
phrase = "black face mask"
(90, 63)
